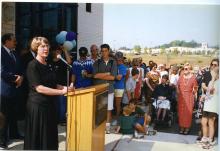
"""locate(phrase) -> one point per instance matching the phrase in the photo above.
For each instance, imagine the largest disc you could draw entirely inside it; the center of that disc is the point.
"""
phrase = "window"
(88, 7)
(44, 19)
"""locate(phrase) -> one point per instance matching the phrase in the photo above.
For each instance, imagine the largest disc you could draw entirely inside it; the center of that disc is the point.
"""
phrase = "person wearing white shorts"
(110, 101)
(105, 71)
(119, 92)
(119, 81)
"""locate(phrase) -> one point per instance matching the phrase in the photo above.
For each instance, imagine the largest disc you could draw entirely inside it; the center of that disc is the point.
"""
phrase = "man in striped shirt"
(82, 70)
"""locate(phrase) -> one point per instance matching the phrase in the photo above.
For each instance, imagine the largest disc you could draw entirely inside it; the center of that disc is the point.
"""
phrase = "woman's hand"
(71, 84)
(64, 90)
(70, 89)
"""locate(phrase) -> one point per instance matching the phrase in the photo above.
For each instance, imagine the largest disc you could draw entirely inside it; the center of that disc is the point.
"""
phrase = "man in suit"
(11, 80)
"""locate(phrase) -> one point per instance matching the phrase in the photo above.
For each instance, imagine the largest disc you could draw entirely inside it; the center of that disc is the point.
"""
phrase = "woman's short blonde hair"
(37, 41)
(189, 65)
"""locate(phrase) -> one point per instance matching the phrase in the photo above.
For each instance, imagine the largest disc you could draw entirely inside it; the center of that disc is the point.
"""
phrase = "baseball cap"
(83, 51)
(119, 55)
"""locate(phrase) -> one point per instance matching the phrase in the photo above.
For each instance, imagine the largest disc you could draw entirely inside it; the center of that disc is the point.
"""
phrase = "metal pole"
(67, 85)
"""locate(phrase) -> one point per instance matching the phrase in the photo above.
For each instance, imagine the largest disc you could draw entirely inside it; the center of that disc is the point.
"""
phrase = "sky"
(150, 25)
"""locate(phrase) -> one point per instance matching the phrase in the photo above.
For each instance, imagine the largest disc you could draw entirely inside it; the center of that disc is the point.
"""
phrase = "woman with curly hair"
(151, 81)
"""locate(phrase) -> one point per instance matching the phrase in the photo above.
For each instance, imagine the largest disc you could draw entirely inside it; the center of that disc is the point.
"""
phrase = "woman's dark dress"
(41, 120)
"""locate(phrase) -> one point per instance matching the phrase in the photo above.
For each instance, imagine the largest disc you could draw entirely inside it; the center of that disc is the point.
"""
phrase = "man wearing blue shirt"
(119, 82)
(82, 70)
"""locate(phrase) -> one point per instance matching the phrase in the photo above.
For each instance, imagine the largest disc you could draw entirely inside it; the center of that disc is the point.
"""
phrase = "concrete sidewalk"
(165, 140)
(117, 142)
(159, 142)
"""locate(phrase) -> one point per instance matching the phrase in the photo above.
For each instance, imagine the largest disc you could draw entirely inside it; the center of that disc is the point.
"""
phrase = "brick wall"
(8, 17)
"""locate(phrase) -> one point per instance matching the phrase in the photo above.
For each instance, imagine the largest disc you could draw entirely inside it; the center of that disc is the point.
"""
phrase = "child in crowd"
(142, 119)
(130, 87)
(174, 76)
(126, 122)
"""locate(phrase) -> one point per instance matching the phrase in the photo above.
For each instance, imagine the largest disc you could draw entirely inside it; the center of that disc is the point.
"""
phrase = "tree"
(162, 51)
(145, 49)
(175, 51)
(123, 48)
(208, 52)
(137, 48)
(180, 43)
(150, 51)
(199, 52)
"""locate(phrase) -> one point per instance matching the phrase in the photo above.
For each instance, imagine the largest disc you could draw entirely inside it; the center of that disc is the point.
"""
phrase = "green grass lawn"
(198, 60)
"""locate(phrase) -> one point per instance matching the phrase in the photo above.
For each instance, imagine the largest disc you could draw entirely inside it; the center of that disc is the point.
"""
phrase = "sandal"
(207, 145)
(181, 131)
(152, 132)
(186, 132)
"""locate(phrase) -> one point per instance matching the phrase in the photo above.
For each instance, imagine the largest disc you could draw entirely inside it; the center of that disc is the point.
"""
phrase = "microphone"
(62, 59)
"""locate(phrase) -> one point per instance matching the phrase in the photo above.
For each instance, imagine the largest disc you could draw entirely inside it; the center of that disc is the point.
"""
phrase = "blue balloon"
(63, 33)
(61, 37)
(68, 45)
(70, 36)
(74, 43)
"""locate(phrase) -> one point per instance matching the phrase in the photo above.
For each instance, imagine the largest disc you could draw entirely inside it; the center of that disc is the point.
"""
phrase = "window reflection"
(43, 19)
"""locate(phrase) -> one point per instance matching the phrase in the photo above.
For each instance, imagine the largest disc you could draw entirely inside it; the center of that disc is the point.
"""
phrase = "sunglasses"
(214, 65)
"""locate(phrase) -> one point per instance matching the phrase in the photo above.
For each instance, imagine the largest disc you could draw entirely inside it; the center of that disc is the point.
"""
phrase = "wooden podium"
(86, 118)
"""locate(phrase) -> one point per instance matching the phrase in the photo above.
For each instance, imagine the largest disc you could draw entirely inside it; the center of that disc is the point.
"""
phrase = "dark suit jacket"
(9, 69)
(26, 58)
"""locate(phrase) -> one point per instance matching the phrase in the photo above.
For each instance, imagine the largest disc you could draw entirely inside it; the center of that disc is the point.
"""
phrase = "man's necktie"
(12, 56)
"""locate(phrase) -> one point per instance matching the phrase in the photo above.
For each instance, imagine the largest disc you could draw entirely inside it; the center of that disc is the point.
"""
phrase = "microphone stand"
(68, 67)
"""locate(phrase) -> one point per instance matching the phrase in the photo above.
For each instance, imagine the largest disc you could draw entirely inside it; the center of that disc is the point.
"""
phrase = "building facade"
(26, 20)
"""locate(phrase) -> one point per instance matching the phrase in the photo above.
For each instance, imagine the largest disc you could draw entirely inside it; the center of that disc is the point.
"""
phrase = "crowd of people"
(33, 87)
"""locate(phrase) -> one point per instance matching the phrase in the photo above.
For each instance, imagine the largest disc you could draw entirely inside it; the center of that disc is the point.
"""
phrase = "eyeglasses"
(214, 65)
(44, 46)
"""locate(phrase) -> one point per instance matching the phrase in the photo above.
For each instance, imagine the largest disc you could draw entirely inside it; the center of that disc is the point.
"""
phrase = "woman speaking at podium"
(41, 120)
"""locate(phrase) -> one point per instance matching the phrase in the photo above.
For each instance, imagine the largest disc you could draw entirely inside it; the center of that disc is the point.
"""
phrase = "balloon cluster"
(67, 39)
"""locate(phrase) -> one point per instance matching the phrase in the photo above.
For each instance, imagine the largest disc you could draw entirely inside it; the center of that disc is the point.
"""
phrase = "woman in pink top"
(186, 90)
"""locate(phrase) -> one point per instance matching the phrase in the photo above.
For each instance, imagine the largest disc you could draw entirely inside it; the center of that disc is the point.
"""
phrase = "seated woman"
(162, 94)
